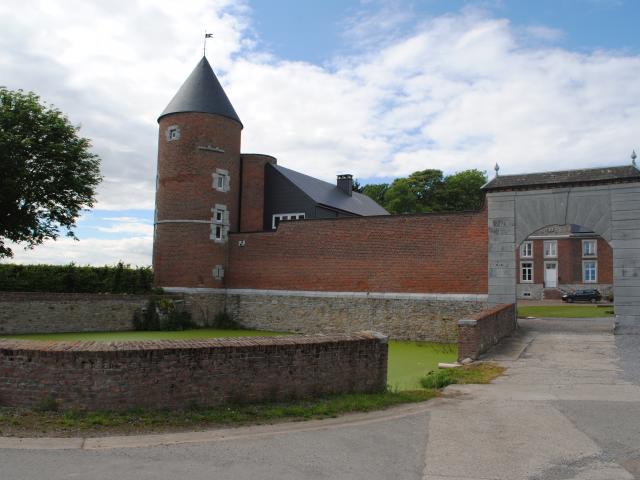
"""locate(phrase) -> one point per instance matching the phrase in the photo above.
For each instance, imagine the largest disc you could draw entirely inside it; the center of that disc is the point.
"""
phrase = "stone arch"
(611, 209)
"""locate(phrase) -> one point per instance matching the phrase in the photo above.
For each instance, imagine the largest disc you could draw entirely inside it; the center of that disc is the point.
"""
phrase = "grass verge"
(565, 311)
(477, 373)
(19, 422)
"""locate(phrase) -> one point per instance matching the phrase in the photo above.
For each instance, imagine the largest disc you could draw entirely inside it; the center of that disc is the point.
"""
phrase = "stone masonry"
(67, 312)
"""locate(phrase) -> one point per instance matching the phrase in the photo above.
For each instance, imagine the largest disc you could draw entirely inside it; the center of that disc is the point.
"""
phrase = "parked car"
(588, 295)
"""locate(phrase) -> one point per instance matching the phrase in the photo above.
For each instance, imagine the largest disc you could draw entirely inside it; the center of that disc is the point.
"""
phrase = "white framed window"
(589, 248)
(589, 271)
(221, 180)
(526, 272)
(218, 272)
(550, 248)
(277, 217)
(526, 250)
(172, 133)
(219, 223)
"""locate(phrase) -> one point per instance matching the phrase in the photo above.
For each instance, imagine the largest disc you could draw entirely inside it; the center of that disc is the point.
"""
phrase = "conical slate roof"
(202, 92)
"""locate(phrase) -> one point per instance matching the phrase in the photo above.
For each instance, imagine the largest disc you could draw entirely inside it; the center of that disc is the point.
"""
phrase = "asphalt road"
(568, 408)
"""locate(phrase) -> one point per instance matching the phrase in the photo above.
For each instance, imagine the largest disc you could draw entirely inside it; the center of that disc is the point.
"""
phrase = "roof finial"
(497, 168)
(633, 158)
(204, 46)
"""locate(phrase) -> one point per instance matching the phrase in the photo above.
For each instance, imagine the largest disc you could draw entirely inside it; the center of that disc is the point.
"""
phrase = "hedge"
(71, 278)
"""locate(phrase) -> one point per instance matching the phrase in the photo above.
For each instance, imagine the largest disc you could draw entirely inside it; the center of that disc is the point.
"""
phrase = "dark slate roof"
(202, 92)
(588, 176)
(330, 195)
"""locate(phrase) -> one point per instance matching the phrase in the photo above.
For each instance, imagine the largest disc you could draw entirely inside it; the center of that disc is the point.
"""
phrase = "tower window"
(172, 133)
(218, 272)
(221, 180)
(219, 223)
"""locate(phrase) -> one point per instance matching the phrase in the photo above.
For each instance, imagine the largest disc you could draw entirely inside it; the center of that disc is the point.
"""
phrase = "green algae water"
(410, 361)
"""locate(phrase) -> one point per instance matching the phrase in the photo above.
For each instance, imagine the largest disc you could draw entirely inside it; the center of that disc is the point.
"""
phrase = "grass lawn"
(19, 422)
(408, 361)
(565, 311)
(199, 333)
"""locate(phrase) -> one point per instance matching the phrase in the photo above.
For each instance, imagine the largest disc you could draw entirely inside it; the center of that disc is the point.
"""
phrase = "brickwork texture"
(181, 374)
(478, 333)
(428, 253)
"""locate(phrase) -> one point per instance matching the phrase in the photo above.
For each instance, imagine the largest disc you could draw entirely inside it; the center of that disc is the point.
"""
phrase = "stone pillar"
(625, 240)
(502, 248)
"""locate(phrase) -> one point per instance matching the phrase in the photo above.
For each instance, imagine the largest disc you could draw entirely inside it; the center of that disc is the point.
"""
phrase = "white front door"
(550, 274)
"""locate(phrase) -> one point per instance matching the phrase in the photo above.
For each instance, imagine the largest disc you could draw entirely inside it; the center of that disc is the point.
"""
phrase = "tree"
(430, 191)
(462, 191)
(48, 175)
(377, 191)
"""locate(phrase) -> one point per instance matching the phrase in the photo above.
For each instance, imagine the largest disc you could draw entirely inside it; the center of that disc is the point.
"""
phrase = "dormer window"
(172, 133)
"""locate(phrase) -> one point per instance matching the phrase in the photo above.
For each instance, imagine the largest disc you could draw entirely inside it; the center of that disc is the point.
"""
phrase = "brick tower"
(198, 184)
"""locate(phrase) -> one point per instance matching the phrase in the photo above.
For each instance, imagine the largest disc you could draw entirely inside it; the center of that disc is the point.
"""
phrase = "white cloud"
(92, 251)
(459, 91)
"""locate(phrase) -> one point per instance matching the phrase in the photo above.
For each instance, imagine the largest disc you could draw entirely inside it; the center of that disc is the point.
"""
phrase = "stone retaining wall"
(180, 374)
(66, 312)
(428, 317)
(480, 332)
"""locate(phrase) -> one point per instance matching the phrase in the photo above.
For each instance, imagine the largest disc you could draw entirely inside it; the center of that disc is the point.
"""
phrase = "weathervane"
(497, 168)
(633, 158)
(204, 46)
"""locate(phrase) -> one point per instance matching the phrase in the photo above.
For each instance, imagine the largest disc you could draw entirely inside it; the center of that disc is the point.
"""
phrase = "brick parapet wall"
(179, 374)
(424, 253)
(478, 333)
(32, 312)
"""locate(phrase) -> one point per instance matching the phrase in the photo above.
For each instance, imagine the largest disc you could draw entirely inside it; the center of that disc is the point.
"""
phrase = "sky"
(376, 88)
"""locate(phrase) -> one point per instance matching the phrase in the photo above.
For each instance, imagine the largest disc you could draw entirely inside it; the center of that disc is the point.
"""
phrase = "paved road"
(568, 408)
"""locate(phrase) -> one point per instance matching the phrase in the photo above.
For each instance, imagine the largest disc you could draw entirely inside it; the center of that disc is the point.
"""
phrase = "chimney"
(345, 183)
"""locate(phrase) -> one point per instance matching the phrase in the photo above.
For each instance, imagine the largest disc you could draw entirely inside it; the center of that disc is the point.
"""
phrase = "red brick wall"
(253, 191)
(179, 374)
(479, 333)
(439, 253)
(184, 254)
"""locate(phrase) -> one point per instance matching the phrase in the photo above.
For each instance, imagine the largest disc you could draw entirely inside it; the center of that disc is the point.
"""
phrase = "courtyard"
(566, 408)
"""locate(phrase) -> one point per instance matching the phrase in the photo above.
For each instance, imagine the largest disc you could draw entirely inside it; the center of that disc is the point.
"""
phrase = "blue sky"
(376, 88)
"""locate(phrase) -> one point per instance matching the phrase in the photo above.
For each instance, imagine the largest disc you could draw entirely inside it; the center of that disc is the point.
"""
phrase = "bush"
(437, 379)
(162, 314)
(121, 278)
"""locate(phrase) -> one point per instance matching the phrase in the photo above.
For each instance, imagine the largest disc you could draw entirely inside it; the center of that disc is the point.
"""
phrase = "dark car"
(589, 295)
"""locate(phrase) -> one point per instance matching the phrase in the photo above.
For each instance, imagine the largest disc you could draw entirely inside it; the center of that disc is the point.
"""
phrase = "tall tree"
(377, 191)
(48, 175)
(462, 191)
(430, 191)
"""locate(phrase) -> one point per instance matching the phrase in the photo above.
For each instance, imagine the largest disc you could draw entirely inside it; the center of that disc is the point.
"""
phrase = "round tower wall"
(197, 198)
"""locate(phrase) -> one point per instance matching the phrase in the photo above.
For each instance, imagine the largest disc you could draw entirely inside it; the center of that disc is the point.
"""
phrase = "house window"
(219, 223)
(276, 218)
(526, 272)
(550, 248)
(589, 248)
(221, 180)
(172, 133)
(589, 271)
(526, 250)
